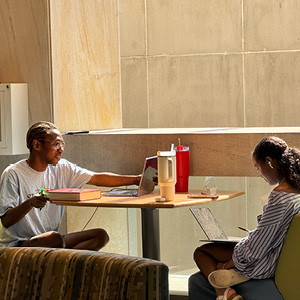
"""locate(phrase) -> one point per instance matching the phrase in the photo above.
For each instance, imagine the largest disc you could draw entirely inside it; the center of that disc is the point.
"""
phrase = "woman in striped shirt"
(256, 256)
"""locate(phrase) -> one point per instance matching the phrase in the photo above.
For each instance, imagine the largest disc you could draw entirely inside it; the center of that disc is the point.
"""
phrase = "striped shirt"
(256, 256)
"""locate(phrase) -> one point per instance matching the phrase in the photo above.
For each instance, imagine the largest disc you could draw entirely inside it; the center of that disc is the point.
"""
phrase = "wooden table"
(149, 208)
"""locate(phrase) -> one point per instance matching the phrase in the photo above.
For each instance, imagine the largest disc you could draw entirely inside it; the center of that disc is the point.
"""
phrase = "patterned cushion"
(43, 273)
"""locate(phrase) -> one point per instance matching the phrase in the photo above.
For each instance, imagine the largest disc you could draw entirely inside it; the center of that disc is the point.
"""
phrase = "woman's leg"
(92, 239)
(208, 256)
(200, 288)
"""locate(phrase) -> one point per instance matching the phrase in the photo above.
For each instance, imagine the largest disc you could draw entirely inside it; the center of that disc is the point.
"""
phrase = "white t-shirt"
(20, 182)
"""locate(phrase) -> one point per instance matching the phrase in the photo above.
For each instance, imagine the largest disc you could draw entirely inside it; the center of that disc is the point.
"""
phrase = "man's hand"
(17, 213)
(138, 179)
(37, 201)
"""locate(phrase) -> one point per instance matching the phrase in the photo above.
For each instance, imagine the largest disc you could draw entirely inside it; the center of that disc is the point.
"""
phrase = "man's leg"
(92, 239)
(51, 239)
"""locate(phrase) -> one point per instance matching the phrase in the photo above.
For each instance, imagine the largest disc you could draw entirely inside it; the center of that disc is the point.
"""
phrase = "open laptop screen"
(147, 183)
(208, 223)
(211, 227)
(149, 176)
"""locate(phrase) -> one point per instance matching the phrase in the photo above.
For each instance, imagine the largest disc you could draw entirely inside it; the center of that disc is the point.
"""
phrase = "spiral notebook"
(211, 227)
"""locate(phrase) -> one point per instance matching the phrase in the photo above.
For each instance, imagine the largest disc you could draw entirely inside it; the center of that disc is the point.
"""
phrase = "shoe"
(225, 278)
(234, 296)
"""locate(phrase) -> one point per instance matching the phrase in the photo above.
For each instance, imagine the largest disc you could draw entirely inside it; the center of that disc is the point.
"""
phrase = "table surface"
(148, 201)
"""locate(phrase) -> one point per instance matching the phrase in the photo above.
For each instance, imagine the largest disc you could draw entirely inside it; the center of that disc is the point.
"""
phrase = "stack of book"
(73, 194)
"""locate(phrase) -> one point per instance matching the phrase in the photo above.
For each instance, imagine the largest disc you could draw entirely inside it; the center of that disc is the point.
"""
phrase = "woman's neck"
(285, 186)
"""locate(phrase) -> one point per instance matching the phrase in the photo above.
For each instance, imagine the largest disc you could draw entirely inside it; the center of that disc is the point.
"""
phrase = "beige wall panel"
(196, 91)
(24, 52)
(132, 27)
(272, 89)
(212, 153)
(272, 25)
(85, 57)
(134, 93)
(181, 27)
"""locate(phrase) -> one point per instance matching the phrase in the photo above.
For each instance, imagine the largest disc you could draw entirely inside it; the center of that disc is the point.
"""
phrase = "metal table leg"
(150, 233)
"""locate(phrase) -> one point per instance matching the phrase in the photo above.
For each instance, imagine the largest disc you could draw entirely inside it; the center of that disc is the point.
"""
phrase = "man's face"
(52, 148)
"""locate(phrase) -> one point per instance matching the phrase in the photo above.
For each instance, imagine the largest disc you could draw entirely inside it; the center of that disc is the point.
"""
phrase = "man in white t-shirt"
(27, 218)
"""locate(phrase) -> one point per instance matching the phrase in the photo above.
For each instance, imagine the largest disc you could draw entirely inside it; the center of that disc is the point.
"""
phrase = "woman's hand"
(221, 265)
(225, 265)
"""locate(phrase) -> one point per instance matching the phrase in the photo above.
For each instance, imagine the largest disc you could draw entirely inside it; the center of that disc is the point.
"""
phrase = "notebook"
(211, 227)
(147, 182)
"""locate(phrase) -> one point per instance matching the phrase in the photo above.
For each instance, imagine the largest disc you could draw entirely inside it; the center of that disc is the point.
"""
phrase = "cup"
(182, 168)
(166, 161)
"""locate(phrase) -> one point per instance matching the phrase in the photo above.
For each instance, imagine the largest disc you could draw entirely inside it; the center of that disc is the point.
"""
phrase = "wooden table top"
(148, 201)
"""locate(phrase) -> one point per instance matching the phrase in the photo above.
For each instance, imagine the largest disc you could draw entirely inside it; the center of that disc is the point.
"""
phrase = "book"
(73, 194)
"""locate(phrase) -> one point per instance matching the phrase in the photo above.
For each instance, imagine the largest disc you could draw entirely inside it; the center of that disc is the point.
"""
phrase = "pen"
(244, 229)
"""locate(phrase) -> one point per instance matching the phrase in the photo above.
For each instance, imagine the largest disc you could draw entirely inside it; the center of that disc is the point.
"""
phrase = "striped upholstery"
(43, 273)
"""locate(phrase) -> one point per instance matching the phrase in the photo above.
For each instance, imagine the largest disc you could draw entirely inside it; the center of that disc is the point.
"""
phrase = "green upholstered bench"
(43, 273)
(287, 277)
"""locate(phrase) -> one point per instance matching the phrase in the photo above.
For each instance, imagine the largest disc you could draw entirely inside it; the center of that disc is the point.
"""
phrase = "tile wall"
(68, 53)
(184, 63)
(217, 63)
(191, 63)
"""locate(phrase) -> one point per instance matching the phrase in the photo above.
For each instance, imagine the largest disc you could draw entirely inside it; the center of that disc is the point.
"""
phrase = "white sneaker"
(225, 278)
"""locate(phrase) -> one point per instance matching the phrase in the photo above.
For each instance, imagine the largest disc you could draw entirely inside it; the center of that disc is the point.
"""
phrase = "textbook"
(74, 194)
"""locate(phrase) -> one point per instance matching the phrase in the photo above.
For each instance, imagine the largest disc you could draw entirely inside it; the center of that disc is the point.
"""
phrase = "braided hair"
(38, 131)
(288, 159)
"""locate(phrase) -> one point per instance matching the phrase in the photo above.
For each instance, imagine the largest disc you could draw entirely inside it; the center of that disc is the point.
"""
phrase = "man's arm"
(112, 179)
(15, 214)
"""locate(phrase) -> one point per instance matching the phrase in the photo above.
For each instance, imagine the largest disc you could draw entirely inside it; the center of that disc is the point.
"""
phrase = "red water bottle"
(182, 168)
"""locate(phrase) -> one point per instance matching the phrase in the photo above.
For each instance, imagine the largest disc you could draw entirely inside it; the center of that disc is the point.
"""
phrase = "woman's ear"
(271, 162)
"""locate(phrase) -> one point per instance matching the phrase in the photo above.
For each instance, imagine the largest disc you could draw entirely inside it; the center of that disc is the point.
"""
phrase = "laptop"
(147, 183)
(211, 227)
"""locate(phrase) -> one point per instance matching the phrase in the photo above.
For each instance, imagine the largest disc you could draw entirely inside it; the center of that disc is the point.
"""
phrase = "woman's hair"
(288, 159)
(38, 131)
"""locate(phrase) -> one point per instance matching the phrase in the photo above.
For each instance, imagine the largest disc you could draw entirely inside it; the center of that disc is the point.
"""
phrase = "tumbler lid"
(166, 153)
